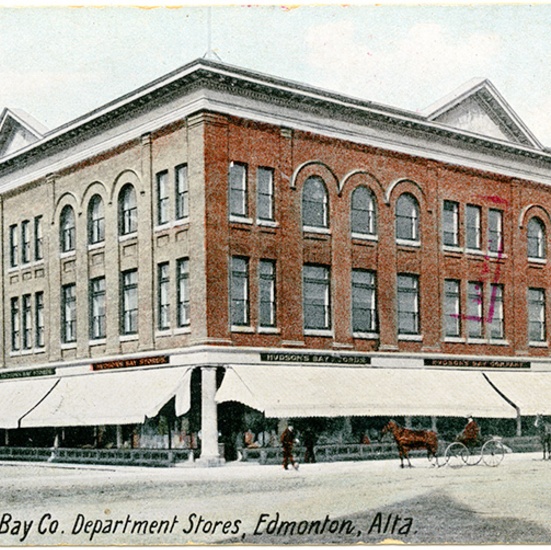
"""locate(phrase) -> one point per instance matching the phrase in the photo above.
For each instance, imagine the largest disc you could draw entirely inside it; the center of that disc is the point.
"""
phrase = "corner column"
(209, 420)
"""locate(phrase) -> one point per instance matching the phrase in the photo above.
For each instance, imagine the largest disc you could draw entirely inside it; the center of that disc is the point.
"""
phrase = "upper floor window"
(473, 228)
(97, 308)
(452, 308)
(265, 194)
(182, 192)
(364, 318)
(128, 210)
(27, 321)
(239, 291)
(162, 197)
(68, 313)
(450, 223)
(364, 220)
(536, 239)
(25, 242)
(495, 230)
(96, 220)
(129, 302)
(14, 245)
(182, 294)
(67, 229)
(495, 313)
(536, 315)
(38, 239)
(238, 189)
(475, 309)
(316, 289)
(15, 324)
(407, 218)
(315, 203)
(408, 304)
(39, 319)
(267, 291)
(163, 296)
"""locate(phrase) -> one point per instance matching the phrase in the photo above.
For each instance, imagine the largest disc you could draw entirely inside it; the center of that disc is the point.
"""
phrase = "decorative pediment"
(17, 130)
(478, 108)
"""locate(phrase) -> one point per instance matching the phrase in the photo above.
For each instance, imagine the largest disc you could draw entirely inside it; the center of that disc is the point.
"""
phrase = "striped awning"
(306, 391)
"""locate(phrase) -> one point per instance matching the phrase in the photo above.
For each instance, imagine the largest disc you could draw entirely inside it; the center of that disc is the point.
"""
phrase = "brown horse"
(544, 431)
(406, 440)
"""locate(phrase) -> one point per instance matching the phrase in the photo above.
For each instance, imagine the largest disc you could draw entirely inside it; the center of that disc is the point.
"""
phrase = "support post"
(210, 455)
(119, 436)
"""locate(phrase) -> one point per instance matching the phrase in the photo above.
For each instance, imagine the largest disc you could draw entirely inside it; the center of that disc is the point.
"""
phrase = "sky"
(58, 63)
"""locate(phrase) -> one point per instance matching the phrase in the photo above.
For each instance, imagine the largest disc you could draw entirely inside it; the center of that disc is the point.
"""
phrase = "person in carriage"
(470, 436)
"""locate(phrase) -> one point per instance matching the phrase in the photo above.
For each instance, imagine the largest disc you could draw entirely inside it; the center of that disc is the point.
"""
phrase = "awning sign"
(290, 357)
(135, 362)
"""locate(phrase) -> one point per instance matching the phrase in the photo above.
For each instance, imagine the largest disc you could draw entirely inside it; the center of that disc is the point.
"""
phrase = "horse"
(407, 439)
(544, 431)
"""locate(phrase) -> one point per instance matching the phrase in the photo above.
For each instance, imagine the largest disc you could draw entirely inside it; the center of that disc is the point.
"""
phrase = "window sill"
(366, 335)
(181, 221)
(129, 237)
(498, 342)
(163, 333)
(454, 340)
(320, 332)
(68, 254)
(474, 251)
(239, 328)
(69, 345)
(267, 223)
(408, 243)
(128, 337)
(162, 226)
(316, 230)
(410, 337)
(27, 352)
(477, 341)
(97, 342)
(452, 249)
(538, 344)
(365, 237)
(268, 330)
(183, 330)
(96, 246)
(239, 219)
(497, 255)
(539, 261)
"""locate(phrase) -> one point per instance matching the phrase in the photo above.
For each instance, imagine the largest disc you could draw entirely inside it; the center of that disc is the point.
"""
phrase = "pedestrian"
(309, 442)
(287, 440)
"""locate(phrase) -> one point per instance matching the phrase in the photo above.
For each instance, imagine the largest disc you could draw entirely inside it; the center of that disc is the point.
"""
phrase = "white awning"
(19, 396)
(112, 397)
(305, 391)
(529, 391)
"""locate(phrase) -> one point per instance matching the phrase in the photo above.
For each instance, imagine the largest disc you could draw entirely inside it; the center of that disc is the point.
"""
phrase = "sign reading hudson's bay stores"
(136, 362)
(495, 364)
(315, 358)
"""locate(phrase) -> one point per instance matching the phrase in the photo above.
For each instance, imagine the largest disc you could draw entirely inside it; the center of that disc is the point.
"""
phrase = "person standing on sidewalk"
(287, 440)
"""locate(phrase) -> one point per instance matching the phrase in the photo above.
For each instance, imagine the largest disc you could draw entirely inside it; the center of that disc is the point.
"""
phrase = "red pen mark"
(494, 198)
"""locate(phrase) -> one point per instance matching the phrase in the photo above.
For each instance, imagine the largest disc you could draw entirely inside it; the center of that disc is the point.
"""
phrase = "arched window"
(364, 214)
(67, 229)
(536, 239)
(96, 220)
(407, 218)
(315, 203)
(128, 210)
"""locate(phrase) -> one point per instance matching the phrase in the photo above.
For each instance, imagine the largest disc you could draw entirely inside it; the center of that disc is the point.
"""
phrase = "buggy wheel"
(492, 453)
(457, 455)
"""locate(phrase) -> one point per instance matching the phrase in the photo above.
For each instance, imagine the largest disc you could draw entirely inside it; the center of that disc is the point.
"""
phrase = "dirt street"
(341, 502)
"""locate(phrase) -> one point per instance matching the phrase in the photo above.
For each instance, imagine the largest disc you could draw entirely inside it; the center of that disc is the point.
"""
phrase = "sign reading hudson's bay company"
(287, 357)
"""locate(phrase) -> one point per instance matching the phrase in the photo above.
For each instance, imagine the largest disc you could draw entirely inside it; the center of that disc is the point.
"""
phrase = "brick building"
(303, 253)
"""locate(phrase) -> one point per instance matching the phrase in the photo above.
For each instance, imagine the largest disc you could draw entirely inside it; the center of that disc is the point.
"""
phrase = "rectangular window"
(536, 315)
(495, 313)
(129, 302)
(39, 319)
(265, 193)
(452, 308)
(450, 223)
(267, 291)
(472, 218)
(182, 192)
(238, 189)
(97, 308)
(162, 198)
(163, 296)
(27, 321)
(475, 309)
(14, 246)
(182, 280)
(15, 325)
(408, 304)
(25, 242)
(38, 239)
(68, 313)
(495, 230)
(239, 291)
(363, 301)
(316, 285)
